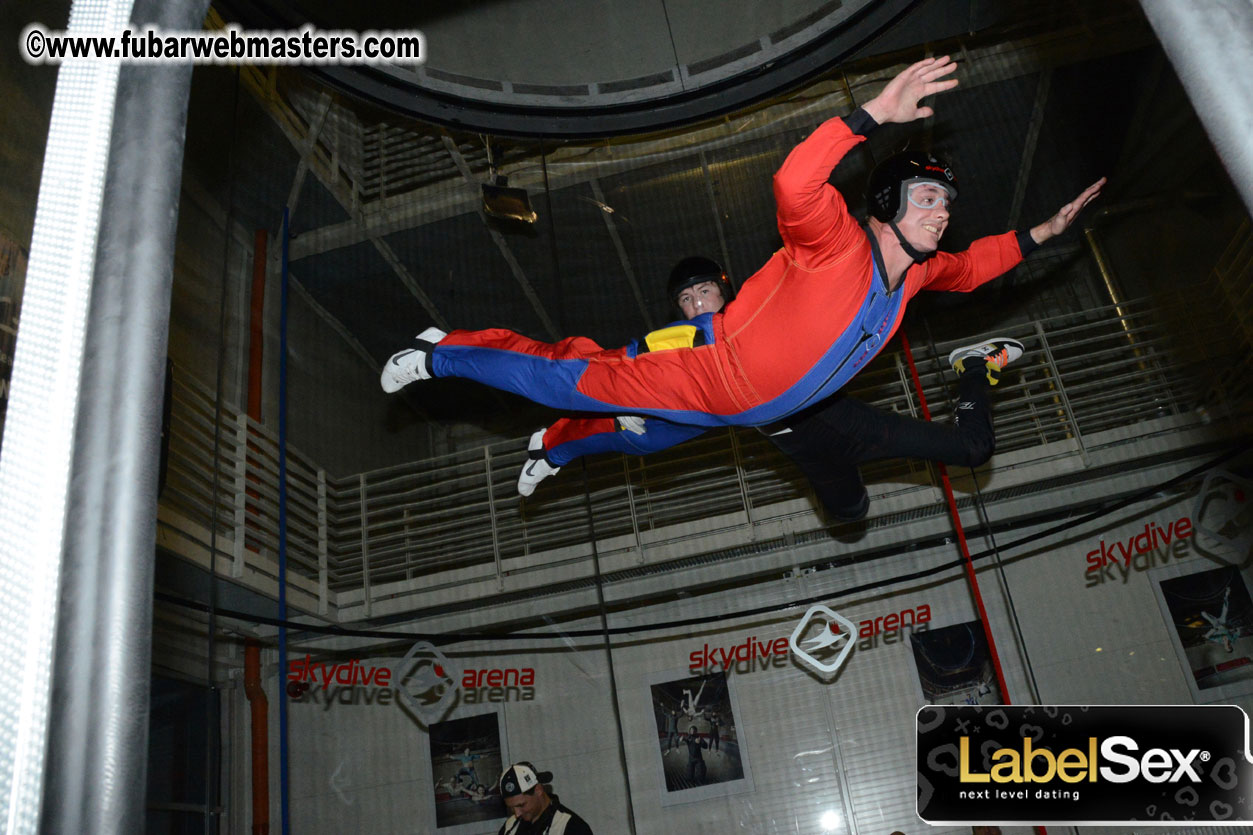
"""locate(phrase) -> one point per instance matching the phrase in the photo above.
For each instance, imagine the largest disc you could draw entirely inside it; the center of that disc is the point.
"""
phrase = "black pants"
(830, 439)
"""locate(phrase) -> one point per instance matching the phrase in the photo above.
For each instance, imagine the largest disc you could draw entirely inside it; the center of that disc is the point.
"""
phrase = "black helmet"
(887, 190)
(697, 269)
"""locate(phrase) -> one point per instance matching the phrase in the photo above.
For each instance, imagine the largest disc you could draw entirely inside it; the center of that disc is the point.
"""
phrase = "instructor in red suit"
(818, 311)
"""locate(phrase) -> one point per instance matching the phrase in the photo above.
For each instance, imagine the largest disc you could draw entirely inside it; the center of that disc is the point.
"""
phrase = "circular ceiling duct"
(586, 68)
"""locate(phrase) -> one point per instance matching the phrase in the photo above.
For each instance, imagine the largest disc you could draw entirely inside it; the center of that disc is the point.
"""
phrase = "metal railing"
(360, 536)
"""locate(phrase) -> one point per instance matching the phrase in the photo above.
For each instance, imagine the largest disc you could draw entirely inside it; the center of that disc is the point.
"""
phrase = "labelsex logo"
(1125, 765)
(1156, 765)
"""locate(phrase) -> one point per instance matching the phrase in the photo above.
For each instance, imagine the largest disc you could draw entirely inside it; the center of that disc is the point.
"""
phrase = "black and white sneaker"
(993, 354)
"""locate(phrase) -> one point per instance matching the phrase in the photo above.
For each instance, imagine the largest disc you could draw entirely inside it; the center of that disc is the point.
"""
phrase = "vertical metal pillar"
(98, 727)
(635, 518)
(491, 512)
(36, 459)
(739, 473)
(241, 496)
(1061, 393)
(324, 604)
(365, 548)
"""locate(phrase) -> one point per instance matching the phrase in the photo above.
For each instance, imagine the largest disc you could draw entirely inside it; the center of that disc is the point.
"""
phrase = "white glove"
(632, 423)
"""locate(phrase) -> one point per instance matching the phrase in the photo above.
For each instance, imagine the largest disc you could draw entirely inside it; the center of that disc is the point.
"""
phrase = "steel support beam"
(98, 727)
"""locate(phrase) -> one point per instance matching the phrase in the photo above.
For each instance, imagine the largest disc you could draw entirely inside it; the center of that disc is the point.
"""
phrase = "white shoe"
(537, 468)
(994, 354)
(409, 366)
(632, 423)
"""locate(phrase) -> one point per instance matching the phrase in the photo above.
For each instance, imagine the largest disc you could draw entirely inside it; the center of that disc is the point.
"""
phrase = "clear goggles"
(935, 195)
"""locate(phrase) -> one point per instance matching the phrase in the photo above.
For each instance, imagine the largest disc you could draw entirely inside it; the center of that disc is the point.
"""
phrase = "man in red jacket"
(820, 309)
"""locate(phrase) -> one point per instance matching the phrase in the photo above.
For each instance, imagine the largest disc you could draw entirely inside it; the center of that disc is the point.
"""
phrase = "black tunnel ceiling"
(593, 68)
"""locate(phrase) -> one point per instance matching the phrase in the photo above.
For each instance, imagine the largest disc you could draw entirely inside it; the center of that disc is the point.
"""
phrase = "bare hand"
(898, 102)
(1066, 215)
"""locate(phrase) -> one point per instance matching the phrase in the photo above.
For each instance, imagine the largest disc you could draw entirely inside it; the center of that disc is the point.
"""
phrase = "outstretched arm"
(813, 220)
(1066, 215)
(990, 257)
(898, 102)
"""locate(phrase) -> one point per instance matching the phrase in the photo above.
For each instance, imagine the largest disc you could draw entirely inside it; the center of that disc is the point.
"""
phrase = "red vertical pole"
(259, 708)
(961, 541)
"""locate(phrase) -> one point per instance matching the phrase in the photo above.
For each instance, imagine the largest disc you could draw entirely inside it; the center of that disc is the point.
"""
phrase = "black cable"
(604, 629)
(1009, 597)
(986, 520)
(457, 637)
(552, 239)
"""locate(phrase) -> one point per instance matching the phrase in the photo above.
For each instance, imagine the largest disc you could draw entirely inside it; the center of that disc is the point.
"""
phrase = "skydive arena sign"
(1121, 765)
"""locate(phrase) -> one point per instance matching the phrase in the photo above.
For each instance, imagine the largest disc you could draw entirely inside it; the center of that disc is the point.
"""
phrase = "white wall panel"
(844, 746)
(1101, 642)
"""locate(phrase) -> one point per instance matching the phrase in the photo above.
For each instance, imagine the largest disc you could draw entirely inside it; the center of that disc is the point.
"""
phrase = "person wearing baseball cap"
(535, 810)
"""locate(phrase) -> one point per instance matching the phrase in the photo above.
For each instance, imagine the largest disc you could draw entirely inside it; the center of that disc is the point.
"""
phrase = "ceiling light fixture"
(502, 201)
